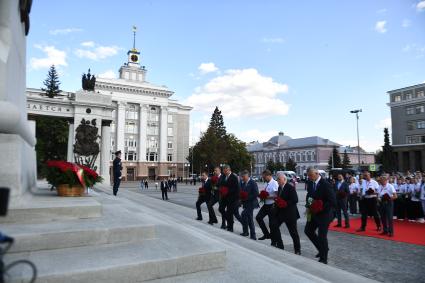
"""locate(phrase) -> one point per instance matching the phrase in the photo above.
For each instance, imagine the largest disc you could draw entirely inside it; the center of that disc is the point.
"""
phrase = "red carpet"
(404, 231)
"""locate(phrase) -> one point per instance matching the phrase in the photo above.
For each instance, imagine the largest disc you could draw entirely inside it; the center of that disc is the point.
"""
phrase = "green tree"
(334, 159)
(387, 153)
(346, 163)
(291, 165)
(216, 147)
(270, 165)
(52, 83)
(279, 166)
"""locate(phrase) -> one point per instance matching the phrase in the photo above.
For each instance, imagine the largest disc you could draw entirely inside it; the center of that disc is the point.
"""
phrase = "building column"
(423, 160)
(143, 124)
(105, 153)
(120, 126)
(411, 161)
(71, 134)
(163, 135)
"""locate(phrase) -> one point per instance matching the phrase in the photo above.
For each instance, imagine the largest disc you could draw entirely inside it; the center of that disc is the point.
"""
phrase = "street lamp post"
(358, 138)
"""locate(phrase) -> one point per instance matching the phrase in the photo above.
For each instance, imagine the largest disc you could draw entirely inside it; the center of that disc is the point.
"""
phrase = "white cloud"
(420, 6)
(87, 44)
(53, 57)
(406, 23)
(109, 74)
(97, 52)
(385, 123)
(380, 26)
(64, 31)
(206, 68)
(241, 93)
(273, 40)
(257, 135)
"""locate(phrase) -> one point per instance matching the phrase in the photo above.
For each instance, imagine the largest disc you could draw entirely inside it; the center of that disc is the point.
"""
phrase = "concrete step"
(134, 262)
(47, 208)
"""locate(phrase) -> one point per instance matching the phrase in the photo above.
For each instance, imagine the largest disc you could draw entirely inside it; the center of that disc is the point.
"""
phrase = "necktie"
(314, 186)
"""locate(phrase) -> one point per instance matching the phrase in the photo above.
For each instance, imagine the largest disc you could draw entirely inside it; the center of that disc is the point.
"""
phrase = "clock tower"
(132, 70)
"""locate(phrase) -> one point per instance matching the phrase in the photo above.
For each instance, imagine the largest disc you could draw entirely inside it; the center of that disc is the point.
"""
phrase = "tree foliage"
(291, 165)
(334, 156)
(346, 162)
(387, 158)
(52, 83)
(216, 147)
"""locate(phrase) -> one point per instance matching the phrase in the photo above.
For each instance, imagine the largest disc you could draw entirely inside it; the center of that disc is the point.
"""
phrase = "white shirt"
(354, 188)
(413, 189)
(272, 188)
(369, 184)
(423, 191)
(388, 189)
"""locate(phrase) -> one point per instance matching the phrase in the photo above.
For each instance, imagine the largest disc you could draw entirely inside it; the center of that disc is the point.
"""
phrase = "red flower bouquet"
(243, 195)
(62, 172)
(341, 194)
(214, 180)
(224, 191)
(316, 206)
(370, 191)
(263, 195)
(386, 198)
(202, 191)
(280, 202)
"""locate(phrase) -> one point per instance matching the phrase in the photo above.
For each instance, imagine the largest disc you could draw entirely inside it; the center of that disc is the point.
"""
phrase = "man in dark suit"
(231, 200)
(116, 168)
(164, 189)
(249, 204)
(320, 189)
(288, 214)
(342, 192)
(205, 195)
(215, 182)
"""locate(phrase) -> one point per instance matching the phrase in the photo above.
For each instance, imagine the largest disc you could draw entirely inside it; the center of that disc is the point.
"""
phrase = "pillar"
(70, 151)
(143, 118)
(120, 127)
(105, 153)
(163, 135)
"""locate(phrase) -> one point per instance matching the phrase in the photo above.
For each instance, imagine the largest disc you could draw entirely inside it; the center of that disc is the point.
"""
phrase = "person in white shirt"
(423, 194)
(354, 195)
(368, 203)
(387, 195)
(415, 212)
(272, 188)
(399, 202)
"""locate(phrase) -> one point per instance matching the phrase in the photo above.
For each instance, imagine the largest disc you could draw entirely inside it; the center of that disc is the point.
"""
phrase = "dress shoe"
(360, 230)
(390, 234)
(383, 233)
(264, 238)
(280, 246)
(298, 252)
(338, 225)
(378, 228)
(230, 229)
(347, 226)
(223, 227)
(245, 234)
(211, 223)
(317, 256)
(198, 218)
(215, 221)
(325, 261)
(253, 238)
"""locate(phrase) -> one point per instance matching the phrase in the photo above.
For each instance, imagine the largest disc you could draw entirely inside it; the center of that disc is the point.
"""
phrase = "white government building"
(150, 128)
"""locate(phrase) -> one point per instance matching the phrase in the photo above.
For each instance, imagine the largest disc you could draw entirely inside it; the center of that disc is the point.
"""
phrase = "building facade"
(408, 127)
(306, 152)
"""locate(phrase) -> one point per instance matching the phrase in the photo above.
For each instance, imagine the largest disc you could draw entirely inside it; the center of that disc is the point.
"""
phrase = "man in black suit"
(164, 189)
(320, 189)
(288, 214)
(116, 169)
(215, 184)
(249, 204)
(205, 195)
(342, 192)
(231, 200)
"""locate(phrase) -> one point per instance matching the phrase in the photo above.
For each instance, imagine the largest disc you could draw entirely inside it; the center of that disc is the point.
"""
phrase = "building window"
(420, 124)
(153, 143)
(130, 127)
(170, 145)
(410, 125)
(397, 98)
(170, 131)
(420, 93)
(420, 109)
(169, 157)
(131, 112)
(170, 119)
(408, 96)
(151, 156)
(131, 156)
(410, 110)
(153, 130)
(415, 139)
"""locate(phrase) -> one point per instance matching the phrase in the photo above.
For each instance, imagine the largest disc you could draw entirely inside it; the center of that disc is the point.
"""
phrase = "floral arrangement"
(62, 172)
(280, 202)
(313, 206)
(214, 182)
(224, 191)
(243, 195)
(263, 195)
(386, 198)
(202, 191)
(370, 191)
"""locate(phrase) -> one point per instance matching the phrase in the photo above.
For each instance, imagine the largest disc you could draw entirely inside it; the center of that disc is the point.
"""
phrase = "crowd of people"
(383, 198)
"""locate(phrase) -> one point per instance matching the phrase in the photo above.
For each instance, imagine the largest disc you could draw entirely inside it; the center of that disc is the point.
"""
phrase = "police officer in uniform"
(117, 167)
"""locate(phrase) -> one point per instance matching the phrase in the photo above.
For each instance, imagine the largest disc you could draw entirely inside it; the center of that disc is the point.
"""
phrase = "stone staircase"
(100, 239)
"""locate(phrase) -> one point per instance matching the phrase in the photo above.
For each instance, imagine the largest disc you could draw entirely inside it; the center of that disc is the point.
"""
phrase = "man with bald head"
(319, 190)
(288, 214)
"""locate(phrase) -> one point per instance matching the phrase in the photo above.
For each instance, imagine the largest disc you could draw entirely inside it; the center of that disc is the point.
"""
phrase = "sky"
(293, 66)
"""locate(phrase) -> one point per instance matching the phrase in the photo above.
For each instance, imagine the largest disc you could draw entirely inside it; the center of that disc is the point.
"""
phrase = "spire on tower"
(134, 37)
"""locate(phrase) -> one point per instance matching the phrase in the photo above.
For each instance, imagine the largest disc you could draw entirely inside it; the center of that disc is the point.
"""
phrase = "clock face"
(134, 58)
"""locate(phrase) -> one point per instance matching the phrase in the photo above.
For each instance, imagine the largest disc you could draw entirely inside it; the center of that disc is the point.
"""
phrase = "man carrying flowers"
(267, 197)
(204, 193)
